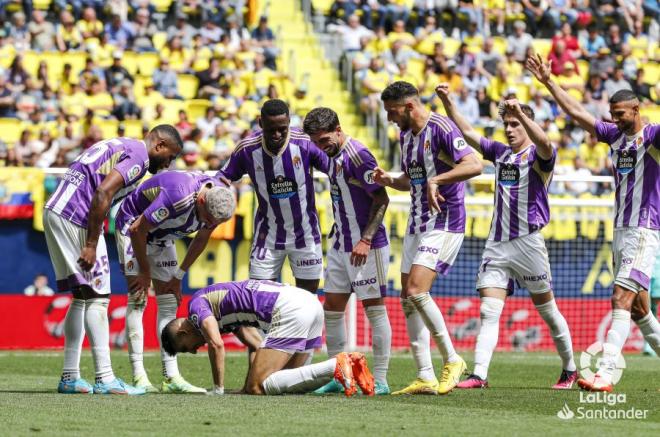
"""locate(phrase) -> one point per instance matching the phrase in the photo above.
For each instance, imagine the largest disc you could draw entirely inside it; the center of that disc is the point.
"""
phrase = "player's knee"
(254, 388)
(638, 310)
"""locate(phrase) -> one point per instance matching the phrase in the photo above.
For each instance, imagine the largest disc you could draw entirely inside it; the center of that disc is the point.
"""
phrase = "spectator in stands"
(375, 79)
(236, 33)
(486, 106)
(190, 157)
(98, 100)
(592, 44)
(69, 145)
(7, 100)
(571, 43)
(629, 63)
(223, 144)
(89, 26)
(560, 57)
(45, 150)
(50, 104)
(180, 57)
(488, 58)
(473, 12)
(474, 81)
(603, 65)
(120, 33)
(616, 82)
(597, 107)
(451, 76)
(206, 125)
(436, 62)
(181, 29)
(542, 109)
(341, 9)
(519, 41)
(165, 80)
(209, 80)
(210, 32)
(183, 125)
(351, 33)
(399, 33)
(125, 105)
(641, 89)
(144, 31)
(468, 105)
(116, 73)
(22, 148)
(42, 32)
(465, 61)
(116, 7)
(89, 72)
(28, 101)
(397, 54)
(614, 40)
(17, 76)
(68, 36)
(39, 287)
(571, 81)
(594, 155)
(428, 28)
(395, 10)
(265, 40)
(565, 8)
(19, 32)
(93, 136)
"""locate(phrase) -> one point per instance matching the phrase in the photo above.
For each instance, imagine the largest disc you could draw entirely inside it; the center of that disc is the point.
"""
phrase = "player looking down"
(292, 319)
(73, 220)
(169, 206)
(515, 249)
(635, 150)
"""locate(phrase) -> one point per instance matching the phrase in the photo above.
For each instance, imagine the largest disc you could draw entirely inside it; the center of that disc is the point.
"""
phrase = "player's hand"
(87, 258)
(173, 286)
(140, 285)
(381, 177)
(360, 253)
(433, 196)
(539, 68)
(224, 180)
(442, 91)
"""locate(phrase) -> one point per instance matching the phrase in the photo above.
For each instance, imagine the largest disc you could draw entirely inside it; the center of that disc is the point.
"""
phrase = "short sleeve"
(131, 167)
(606, 132)
(159, 210)
(452, 142)
(199, 309)
(491, 149)
(234, 168)
(365, 171)
(318, 158)
(549, 164)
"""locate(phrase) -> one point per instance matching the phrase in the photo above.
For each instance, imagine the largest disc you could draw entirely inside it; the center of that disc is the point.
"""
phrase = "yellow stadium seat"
(542, 46)
(651, 72)
(55, 62)
(159, 39)
(323, 6)
(42, 5)
(652, 112)
(499, 45)
(129, 61)
(10, 130)
(148, 62)
(196, 108)
(187, 86)
(451, 46)
(108, 128)
(133, 128)
(172, 108)
(76, 59)
(31, 62)
(161, 5)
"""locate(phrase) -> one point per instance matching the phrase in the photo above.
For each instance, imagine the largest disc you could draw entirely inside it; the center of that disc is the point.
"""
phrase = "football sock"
(651, 329)
(74, 333)
(490, 309)
(300, 380)
(381, 340)
(561, 335)
(435, 323)
(335, 332)
(616, 337)
(98, 332)
(420, 340)
(135, 334)
(166, 312)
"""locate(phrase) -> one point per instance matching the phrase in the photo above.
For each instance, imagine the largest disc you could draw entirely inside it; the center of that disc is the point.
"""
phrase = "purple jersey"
(636, 162)
(521, 196)
(435, 150)
(72, 199)
(351, 181)
(286, 215)
(235, 304)
(167, 201)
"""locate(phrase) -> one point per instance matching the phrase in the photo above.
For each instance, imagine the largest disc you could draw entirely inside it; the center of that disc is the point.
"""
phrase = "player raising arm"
(635, 150)
(435, 160)
(515, 249)
(169, 206)
(73, 218)
(292, 319)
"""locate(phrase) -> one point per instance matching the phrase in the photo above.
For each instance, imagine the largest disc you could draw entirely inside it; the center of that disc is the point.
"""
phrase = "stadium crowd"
(85, 70)
(596, 47)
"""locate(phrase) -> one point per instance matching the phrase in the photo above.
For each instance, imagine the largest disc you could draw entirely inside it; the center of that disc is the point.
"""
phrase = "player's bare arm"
(101, 203)
(541, 71)
(216, 348)
(400, 183)
(250, 337)
(376, 213)
(468, 167)
(472, 136)
(535, 132)
(139, 231)
(197, 246)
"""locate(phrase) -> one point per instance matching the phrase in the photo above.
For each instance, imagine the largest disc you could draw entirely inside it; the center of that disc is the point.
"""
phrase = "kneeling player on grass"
(292, 319)
(168, 206)
(515, 248)
(359, 252)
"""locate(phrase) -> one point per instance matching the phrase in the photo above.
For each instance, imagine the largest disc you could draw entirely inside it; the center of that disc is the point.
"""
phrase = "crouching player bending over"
(292, 319)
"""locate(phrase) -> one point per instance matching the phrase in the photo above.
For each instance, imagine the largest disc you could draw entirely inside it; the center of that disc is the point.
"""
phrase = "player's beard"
(155, 164)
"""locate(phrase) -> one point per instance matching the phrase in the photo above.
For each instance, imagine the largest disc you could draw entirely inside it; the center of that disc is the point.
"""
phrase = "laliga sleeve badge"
(160, 214)
(134, 171)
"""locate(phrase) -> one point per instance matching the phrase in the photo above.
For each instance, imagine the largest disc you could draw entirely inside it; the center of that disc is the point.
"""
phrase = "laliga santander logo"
(565, 413)
(595, 351)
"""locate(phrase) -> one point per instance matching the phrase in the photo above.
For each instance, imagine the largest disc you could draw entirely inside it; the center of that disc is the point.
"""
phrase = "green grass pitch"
(519, 402)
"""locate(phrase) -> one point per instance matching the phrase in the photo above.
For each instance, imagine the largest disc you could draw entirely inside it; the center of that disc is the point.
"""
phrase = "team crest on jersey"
(297, 162)
(508, 175)
(416, 173)
(626, 161)
(193, 319)
(335, 193)
(460, 143)
(427, 146)
(524, 157)
(134, 171)
(160, 214)
(339, 168)
(282, 187)
(130, 266)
